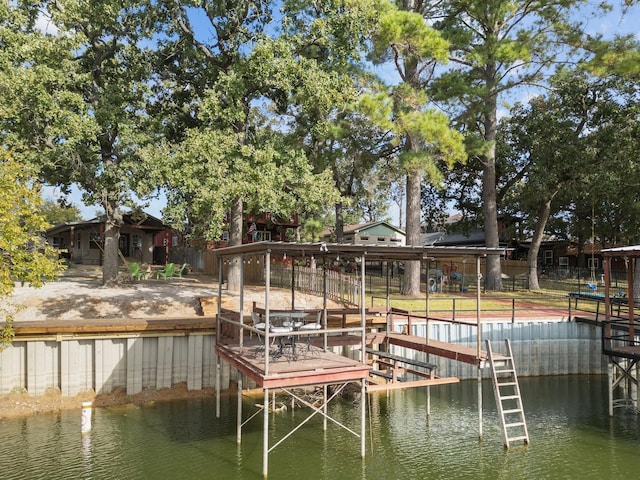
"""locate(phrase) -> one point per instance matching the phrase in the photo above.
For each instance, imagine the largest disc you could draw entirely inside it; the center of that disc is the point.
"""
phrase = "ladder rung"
(504, 370)
(514, 439)
(510, 397)
(513, 410)
(516, 424)
(506, 384)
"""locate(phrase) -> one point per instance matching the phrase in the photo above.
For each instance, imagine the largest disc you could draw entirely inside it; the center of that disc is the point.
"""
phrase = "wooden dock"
(311, 367)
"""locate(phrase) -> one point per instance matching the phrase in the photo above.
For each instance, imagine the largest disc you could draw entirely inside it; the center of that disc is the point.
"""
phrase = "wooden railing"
(340, 287)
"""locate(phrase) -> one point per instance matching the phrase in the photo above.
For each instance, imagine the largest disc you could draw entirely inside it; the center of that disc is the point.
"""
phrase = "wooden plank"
(99, 326)
(452, 351)
(377, 387)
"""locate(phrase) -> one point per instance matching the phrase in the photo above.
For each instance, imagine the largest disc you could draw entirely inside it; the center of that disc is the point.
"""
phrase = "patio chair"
(286, 344)
(166, 272)
(135, 271)
(309, 327)
(182, 270)
(258, 324)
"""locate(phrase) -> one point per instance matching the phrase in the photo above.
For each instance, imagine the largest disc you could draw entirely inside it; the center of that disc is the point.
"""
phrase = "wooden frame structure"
(253, 359)
(620, 336)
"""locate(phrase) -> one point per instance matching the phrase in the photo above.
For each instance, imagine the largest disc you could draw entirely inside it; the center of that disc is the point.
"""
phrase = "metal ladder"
(508, 399)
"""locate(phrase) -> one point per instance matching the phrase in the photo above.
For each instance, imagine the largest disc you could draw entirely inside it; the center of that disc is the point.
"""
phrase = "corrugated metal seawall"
(105, 364)
(152, 362)
(539, 347)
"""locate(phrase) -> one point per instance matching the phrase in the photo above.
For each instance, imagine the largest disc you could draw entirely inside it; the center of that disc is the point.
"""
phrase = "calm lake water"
(572, 437)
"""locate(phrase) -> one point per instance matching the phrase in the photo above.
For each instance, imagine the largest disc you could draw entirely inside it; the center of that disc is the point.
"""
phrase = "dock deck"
(315, 367)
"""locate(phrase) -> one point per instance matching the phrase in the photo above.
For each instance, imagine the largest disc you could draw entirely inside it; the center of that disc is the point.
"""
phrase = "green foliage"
(25, 256)
(75, 103)
(56, 212)
(574, 147)
(245, 141)
(402, 33)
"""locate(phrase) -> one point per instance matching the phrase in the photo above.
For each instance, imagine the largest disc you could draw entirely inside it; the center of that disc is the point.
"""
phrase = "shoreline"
(20, 404)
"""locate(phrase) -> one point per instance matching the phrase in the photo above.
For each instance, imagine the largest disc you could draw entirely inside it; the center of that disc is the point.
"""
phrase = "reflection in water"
(571, 434)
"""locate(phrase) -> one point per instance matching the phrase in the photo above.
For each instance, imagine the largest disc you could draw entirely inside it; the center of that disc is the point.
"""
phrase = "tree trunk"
(235, 238)
(339, 222)
(411, 283)
(493, 278)
(111, 248)
(536, 241)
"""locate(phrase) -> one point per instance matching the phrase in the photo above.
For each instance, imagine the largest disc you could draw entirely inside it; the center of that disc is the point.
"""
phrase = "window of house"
(396, 240)
(563, 262)
(548, 257)
(593, 263)
(174, 241)
(94, 240)
(262, 236)
(364, 239)
(136, 241)
(382, 239)
(225, 236)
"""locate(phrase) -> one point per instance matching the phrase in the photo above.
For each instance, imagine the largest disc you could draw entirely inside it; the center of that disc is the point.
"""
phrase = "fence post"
(454, 309)
(513, 310)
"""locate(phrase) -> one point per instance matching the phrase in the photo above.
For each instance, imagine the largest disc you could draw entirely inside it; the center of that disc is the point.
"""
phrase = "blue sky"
(616, 23)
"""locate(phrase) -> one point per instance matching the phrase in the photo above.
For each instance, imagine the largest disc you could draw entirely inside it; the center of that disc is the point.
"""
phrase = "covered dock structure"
(287, 348)
(620, 335)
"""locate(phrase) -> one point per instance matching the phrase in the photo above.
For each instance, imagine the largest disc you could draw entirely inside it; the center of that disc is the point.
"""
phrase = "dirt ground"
(78, 294)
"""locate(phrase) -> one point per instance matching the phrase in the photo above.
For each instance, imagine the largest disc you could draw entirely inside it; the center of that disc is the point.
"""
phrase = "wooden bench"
(395, 362)
(381, 373)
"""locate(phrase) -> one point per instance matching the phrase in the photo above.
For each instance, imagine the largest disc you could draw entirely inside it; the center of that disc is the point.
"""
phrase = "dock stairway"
(508, 398)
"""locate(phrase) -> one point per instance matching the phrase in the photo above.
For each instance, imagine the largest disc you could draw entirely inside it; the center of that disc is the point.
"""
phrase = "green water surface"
(572, 437)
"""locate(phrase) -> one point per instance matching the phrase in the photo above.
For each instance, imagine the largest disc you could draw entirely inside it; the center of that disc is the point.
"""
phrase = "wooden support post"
(265, 434)
(239, 414)
(293, 285)
(426, 301)
(610, 381)
(631, 300)
(363, 415)
(479, 401)
(479, 346)
(267, 287)
(218, 387)
(324, 407)
(218, 323)
(241, 308)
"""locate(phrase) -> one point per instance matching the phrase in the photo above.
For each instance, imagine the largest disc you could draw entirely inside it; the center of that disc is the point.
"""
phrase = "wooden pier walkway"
(451, 351)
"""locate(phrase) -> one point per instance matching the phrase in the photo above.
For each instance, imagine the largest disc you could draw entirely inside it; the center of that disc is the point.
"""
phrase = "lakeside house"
(372, 233)
(143, 238)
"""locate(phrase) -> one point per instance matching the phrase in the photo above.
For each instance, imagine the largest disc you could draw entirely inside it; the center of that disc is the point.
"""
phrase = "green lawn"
(467, 302)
